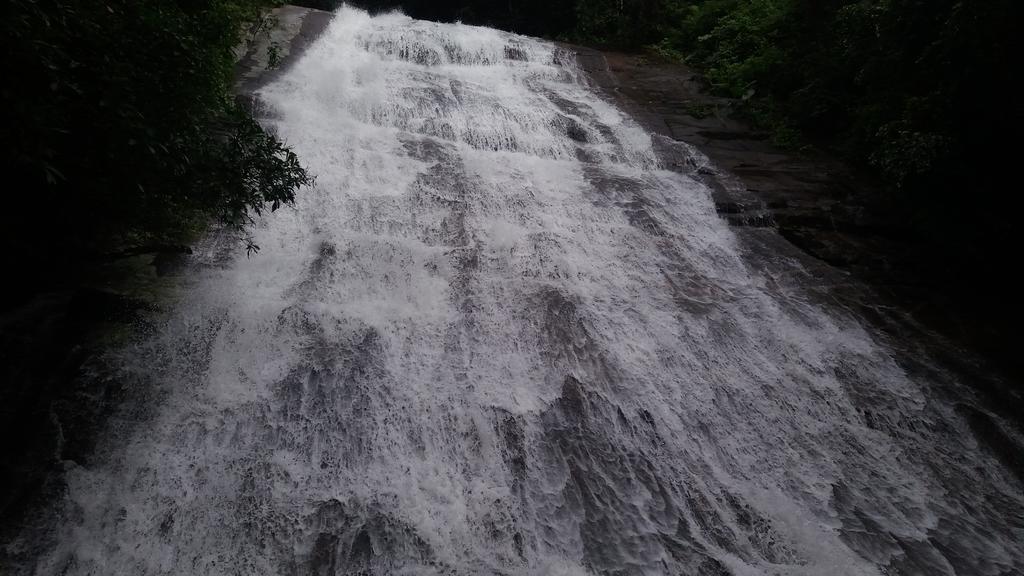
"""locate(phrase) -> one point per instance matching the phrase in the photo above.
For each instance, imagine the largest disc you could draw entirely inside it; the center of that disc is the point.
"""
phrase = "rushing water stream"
(500, 336)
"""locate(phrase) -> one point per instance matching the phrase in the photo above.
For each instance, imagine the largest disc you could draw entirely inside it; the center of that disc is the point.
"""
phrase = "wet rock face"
(816, 202)
(353, 538)
(269, 53)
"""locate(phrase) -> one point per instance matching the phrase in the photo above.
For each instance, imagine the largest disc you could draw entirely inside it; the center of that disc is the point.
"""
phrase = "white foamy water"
(498, 337)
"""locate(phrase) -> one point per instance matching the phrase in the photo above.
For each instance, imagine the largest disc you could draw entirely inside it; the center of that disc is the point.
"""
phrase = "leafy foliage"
(123, 128)
(905, 87)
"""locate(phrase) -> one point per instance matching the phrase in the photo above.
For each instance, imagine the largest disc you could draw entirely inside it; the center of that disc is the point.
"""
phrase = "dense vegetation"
(908, 88)
(121, 130)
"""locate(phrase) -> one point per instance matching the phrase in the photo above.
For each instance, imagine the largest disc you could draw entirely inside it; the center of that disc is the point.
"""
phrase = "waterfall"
(506, 333)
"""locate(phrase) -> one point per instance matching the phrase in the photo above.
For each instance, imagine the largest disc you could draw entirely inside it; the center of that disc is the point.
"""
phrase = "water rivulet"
(507, 333)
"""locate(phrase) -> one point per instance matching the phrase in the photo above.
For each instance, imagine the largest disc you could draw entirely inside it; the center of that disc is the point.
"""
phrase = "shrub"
(123, 128)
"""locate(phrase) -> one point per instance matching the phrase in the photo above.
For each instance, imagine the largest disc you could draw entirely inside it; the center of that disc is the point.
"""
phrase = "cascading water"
(499, 336)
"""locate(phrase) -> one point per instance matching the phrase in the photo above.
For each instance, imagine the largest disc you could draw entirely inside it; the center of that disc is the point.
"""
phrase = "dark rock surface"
(287, 32)
(815, 202)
